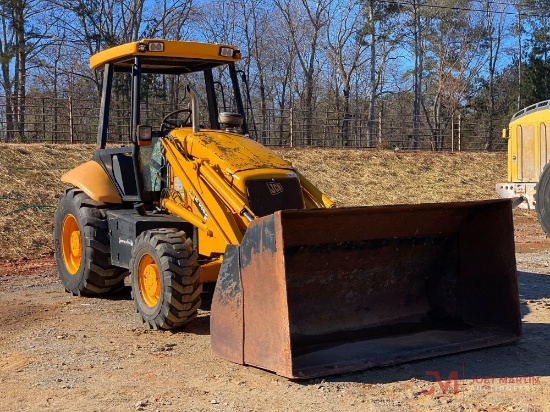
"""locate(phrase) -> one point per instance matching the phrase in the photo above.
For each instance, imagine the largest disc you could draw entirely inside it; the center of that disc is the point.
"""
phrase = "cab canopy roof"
(165, 56)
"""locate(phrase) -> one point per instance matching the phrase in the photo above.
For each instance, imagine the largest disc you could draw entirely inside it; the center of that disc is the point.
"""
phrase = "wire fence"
(68, 120)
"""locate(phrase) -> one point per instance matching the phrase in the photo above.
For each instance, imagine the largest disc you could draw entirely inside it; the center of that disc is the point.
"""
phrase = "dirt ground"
(65, 353)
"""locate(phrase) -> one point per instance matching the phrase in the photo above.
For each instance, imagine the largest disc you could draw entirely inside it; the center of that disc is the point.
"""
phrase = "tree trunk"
(519, 59)
(418, 68)
(372, 70)
(347, 114)
(20, 67)
(9, 101)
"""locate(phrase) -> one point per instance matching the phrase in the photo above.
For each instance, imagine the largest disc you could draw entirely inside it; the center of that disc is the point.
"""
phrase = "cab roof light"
(228, 52)
(154, 46)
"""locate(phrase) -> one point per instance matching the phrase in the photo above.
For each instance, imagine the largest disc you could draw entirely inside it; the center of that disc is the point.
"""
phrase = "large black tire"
(81, 245)
(165, 278)
(542, 199)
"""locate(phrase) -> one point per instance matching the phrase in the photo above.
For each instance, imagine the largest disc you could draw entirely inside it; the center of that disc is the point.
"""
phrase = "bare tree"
(169, 19)
(19, 42)
(305, 21)
(494, 17)
(454, 57)
(256, 20)
(519, 33)
(346, 50)
(417, 28)
(382, 31)
(218, 22)
(131, 16)
(89, 26)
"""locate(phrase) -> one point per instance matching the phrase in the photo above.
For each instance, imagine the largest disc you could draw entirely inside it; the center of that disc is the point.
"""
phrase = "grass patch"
(377, 177)
(29, 190)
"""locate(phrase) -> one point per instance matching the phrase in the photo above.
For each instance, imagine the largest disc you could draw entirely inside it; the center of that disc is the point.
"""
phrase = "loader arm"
(313, 197)
(211, 179)
(201, 202)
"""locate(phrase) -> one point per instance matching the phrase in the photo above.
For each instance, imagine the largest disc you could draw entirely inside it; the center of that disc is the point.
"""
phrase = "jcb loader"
(303, 288)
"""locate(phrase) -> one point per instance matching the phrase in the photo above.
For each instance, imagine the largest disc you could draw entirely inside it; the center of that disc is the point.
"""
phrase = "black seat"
(118, 164)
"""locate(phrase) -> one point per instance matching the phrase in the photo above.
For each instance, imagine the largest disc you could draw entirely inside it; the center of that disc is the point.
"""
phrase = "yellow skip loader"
(303, 288)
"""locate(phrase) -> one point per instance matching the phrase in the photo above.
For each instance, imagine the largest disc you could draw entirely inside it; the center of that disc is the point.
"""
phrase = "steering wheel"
(171, 124)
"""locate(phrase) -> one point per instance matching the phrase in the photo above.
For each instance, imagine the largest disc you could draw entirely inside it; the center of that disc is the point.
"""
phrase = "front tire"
(165, 278)
(81, 243)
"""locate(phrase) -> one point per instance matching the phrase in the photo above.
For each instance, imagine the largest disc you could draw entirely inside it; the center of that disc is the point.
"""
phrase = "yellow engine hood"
(230, 151)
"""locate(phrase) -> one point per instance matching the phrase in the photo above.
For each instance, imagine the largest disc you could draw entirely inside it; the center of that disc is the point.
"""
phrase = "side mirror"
(506, 133)
(144, 135)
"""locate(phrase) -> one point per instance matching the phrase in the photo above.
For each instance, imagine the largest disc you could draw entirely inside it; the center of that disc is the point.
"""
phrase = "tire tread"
(177, 260)
(99, 276)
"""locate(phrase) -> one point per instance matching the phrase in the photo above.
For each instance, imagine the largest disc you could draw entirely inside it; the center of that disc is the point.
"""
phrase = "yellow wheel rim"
(71, 244)
(149, 280)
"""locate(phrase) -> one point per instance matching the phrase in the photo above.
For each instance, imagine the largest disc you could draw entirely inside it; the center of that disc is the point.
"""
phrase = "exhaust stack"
(194, 108)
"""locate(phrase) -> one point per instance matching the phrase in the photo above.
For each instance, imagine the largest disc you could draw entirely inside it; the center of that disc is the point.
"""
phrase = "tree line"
(426, 62)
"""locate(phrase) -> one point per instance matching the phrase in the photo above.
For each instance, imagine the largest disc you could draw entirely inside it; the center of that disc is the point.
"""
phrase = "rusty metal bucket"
(312, 293)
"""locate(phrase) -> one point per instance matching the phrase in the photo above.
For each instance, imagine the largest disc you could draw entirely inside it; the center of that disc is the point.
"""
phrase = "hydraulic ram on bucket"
(311, 293)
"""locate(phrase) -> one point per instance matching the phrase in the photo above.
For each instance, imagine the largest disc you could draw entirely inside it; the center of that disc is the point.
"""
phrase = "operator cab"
(198, 80)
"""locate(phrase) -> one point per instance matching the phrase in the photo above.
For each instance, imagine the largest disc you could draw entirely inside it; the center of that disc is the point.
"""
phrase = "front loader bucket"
(312, 293)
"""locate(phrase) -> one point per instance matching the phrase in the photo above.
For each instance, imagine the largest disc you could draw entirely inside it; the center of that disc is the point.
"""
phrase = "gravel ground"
(64, 353)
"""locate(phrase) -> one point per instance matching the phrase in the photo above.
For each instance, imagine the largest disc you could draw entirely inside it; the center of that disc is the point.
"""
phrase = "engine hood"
(230, 151)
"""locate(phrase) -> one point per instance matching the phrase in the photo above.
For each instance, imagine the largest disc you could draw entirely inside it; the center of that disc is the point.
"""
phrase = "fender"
(92, 179)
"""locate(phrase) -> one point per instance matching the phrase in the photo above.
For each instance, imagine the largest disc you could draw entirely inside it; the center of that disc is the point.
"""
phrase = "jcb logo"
(275, 188)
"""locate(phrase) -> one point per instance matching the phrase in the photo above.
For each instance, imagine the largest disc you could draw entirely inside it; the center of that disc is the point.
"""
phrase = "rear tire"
(81, 245)
(542, 199)
(165, 278)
